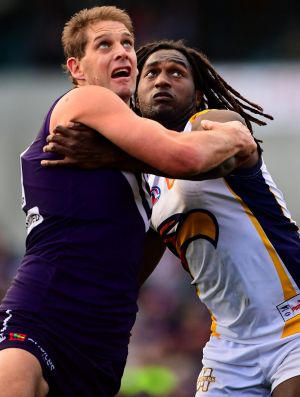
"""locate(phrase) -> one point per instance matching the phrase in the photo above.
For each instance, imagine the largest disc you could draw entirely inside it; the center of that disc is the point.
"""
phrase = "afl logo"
(155, 194)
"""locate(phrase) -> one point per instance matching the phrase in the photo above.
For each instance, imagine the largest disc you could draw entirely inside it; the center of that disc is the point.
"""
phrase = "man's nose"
(162, 80)
(121, 52)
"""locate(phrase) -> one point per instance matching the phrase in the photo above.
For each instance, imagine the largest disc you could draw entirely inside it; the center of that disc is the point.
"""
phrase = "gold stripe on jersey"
(200, 113)
(213, 327)
(287, 287)
(292, 326)
(196, 223)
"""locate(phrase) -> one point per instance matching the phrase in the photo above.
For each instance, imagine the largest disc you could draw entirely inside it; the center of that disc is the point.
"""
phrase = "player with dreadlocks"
(216, 92)
(233, 234)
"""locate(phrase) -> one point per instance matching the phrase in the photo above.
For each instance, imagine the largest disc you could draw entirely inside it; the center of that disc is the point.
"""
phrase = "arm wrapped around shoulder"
(241, 159)
(219, 115)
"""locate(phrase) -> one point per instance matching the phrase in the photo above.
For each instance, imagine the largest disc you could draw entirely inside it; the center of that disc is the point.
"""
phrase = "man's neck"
(176, 122)
(126, 100)
(176, 125)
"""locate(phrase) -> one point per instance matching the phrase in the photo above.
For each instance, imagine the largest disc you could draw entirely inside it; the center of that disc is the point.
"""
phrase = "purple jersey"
(85, 239)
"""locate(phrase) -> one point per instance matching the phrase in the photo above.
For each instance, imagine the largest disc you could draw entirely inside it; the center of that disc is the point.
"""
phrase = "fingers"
(64, 131)
(213, 125)
(56, 138)
(55, 147)
(57, 163)
(210, 125)
(207, 124)
(59, 129)
(66, 162)
(70, 129)
(76, 126)
(245, 139)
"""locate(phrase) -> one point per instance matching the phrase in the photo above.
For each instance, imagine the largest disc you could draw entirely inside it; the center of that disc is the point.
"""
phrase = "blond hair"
(74, 38)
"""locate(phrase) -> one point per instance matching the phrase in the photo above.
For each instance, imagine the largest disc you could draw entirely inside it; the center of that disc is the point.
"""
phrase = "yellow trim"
(292, 326)
(200, 113)
(197, 222)
(213, 327)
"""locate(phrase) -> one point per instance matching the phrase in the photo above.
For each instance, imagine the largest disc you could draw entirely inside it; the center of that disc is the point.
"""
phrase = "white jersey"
(236, 238)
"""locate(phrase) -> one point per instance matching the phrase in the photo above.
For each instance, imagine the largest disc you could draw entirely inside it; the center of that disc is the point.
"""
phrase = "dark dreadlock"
(217, 93)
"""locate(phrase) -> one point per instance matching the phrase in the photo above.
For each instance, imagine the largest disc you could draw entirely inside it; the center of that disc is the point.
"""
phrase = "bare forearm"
(85, 148)
(180, 155)
(122, 160)
(127, 163)
(217, 146)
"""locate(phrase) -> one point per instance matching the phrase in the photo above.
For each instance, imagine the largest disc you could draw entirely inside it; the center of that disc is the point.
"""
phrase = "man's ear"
(198, 97)
(74, 67)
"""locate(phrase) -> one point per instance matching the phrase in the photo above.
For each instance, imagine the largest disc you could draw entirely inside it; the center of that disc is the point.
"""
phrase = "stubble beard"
(169, 116)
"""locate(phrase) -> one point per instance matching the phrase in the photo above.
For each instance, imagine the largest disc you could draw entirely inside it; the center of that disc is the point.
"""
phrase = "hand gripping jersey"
(86, 231)
(236, 238)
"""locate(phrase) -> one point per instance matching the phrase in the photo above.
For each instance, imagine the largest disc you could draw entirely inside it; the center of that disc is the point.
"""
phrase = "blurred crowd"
(225, 30)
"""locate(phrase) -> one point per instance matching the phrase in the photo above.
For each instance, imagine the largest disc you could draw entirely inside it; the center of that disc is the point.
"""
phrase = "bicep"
(105, 112)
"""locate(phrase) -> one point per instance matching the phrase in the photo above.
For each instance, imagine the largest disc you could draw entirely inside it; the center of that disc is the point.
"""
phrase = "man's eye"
(150, 73)
(127, 44)
(104, 44)
(177, 73)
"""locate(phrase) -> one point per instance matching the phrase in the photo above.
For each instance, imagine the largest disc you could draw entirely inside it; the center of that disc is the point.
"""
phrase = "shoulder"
(220, 115)
(86, 102)
(89, 93)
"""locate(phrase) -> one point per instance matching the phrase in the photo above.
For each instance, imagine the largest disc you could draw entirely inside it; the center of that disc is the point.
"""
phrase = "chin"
(124, 93)
(164, 109)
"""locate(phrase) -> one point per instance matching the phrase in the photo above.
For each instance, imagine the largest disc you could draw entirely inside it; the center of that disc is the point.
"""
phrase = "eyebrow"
(177, 61)
(105, 34)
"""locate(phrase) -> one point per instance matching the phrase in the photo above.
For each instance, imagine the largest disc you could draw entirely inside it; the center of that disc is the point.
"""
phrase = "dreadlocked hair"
(217, 93)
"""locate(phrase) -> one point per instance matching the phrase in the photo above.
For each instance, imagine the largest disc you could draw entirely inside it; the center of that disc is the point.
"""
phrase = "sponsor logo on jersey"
(17, 336)
(170, 183)
(44, 355)
(155, 194)
(205, 379)
(6, 320)
(290, 308)
(4, 326)
(33, 219)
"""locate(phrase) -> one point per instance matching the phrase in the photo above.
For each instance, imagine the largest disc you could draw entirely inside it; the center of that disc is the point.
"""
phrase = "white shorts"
(234, 369)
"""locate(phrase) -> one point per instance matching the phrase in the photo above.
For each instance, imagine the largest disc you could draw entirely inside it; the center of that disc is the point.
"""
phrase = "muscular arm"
(171, 153)
(82, 147)
(85, 148)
